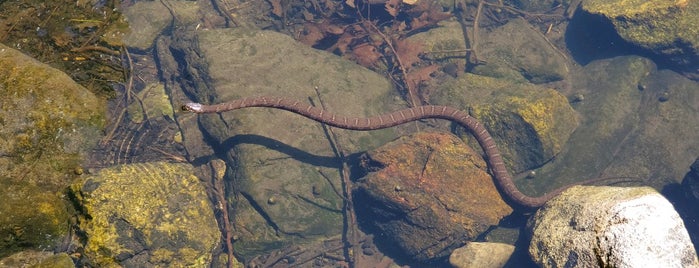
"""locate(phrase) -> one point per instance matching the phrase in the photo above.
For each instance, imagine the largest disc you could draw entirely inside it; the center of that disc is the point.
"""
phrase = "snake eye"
(184, 108)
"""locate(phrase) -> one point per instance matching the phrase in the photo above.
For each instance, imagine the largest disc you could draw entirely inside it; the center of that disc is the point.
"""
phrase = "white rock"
(481, 255)
(593, 226)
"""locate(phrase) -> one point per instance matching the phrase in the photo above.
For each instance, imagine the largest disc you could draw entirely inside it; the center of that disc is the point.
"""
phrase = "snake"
(501, 176)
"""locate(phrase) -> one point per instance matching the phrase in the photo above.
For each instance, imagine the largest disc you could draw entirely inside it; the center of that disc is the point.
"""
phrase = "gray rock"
(481, 255)
(590, 226)
(147, 19)
(625, 129)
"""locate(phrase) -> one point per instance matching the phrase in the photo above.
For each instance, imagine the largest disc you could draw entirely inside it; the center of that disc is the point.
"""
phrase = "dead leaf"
(311, 34)
(350, 3)
(408, 52)
(277, 7)
(420, 75)
(366, 55)
(426, 14)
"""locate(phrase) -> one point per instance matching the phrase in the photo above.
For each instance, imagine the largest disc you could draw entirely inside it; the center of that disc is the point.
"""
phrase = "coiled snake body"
(502, 177)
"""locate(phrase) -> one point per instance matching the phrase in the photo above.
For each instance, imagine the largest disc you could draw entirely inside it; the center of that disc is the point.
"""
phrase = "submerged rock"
(481, 255)
(625, 129)
(37, 259)
(669, 28)
(48, 123)
(529, 123)
(429, 195)
(287, 172)
(610, 227)
(141, 215)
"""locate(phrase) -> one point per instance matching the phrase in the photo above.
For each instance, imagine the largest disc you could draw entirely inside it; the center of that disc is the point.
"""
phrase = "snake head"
(192, 107)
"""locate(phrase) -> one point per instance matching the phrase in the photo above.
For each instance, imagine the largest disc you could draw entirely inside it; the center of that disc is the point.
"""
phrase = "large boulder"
(635, 122)
(588, 226)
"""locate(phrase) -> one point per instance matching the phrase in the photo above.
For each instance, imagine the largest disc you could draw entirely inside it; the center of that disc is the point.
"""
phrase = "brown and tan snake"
(501, 176)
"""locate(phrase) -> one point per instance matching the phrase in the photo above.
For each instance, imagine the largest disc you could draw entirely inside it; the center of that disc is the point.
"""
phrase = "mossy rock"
(530, 124)
(48, 121)
(30, 218)
(37, 259)
(146, 214)
(669, 28)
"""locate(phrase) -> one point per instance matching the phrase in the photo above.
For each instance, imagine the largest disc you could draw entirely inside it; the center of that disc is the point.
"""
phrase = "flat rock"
(593, 226)
(287, 172)
(635, 122)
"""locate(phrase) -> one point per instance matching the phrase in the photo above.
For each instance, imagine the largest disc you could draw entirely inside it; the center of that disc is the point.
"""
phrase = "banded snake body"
(501, 175)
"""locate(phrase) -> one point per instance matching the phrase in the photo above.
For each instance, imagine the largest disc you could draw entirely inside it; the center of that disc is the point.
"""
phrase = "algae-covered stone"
(37, 259)
(30, 218)
(153, 104)
(146, 214)
(47, 121)
(670, 28)
(529, 123)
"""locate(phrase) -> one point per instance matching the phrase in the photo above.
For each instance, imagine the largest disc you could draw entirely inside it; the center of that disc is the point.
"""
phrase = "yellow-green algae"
(30, 217)
(530, 124)
(162, 203)
(654, 23)
(540, 111)
(48, 120)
